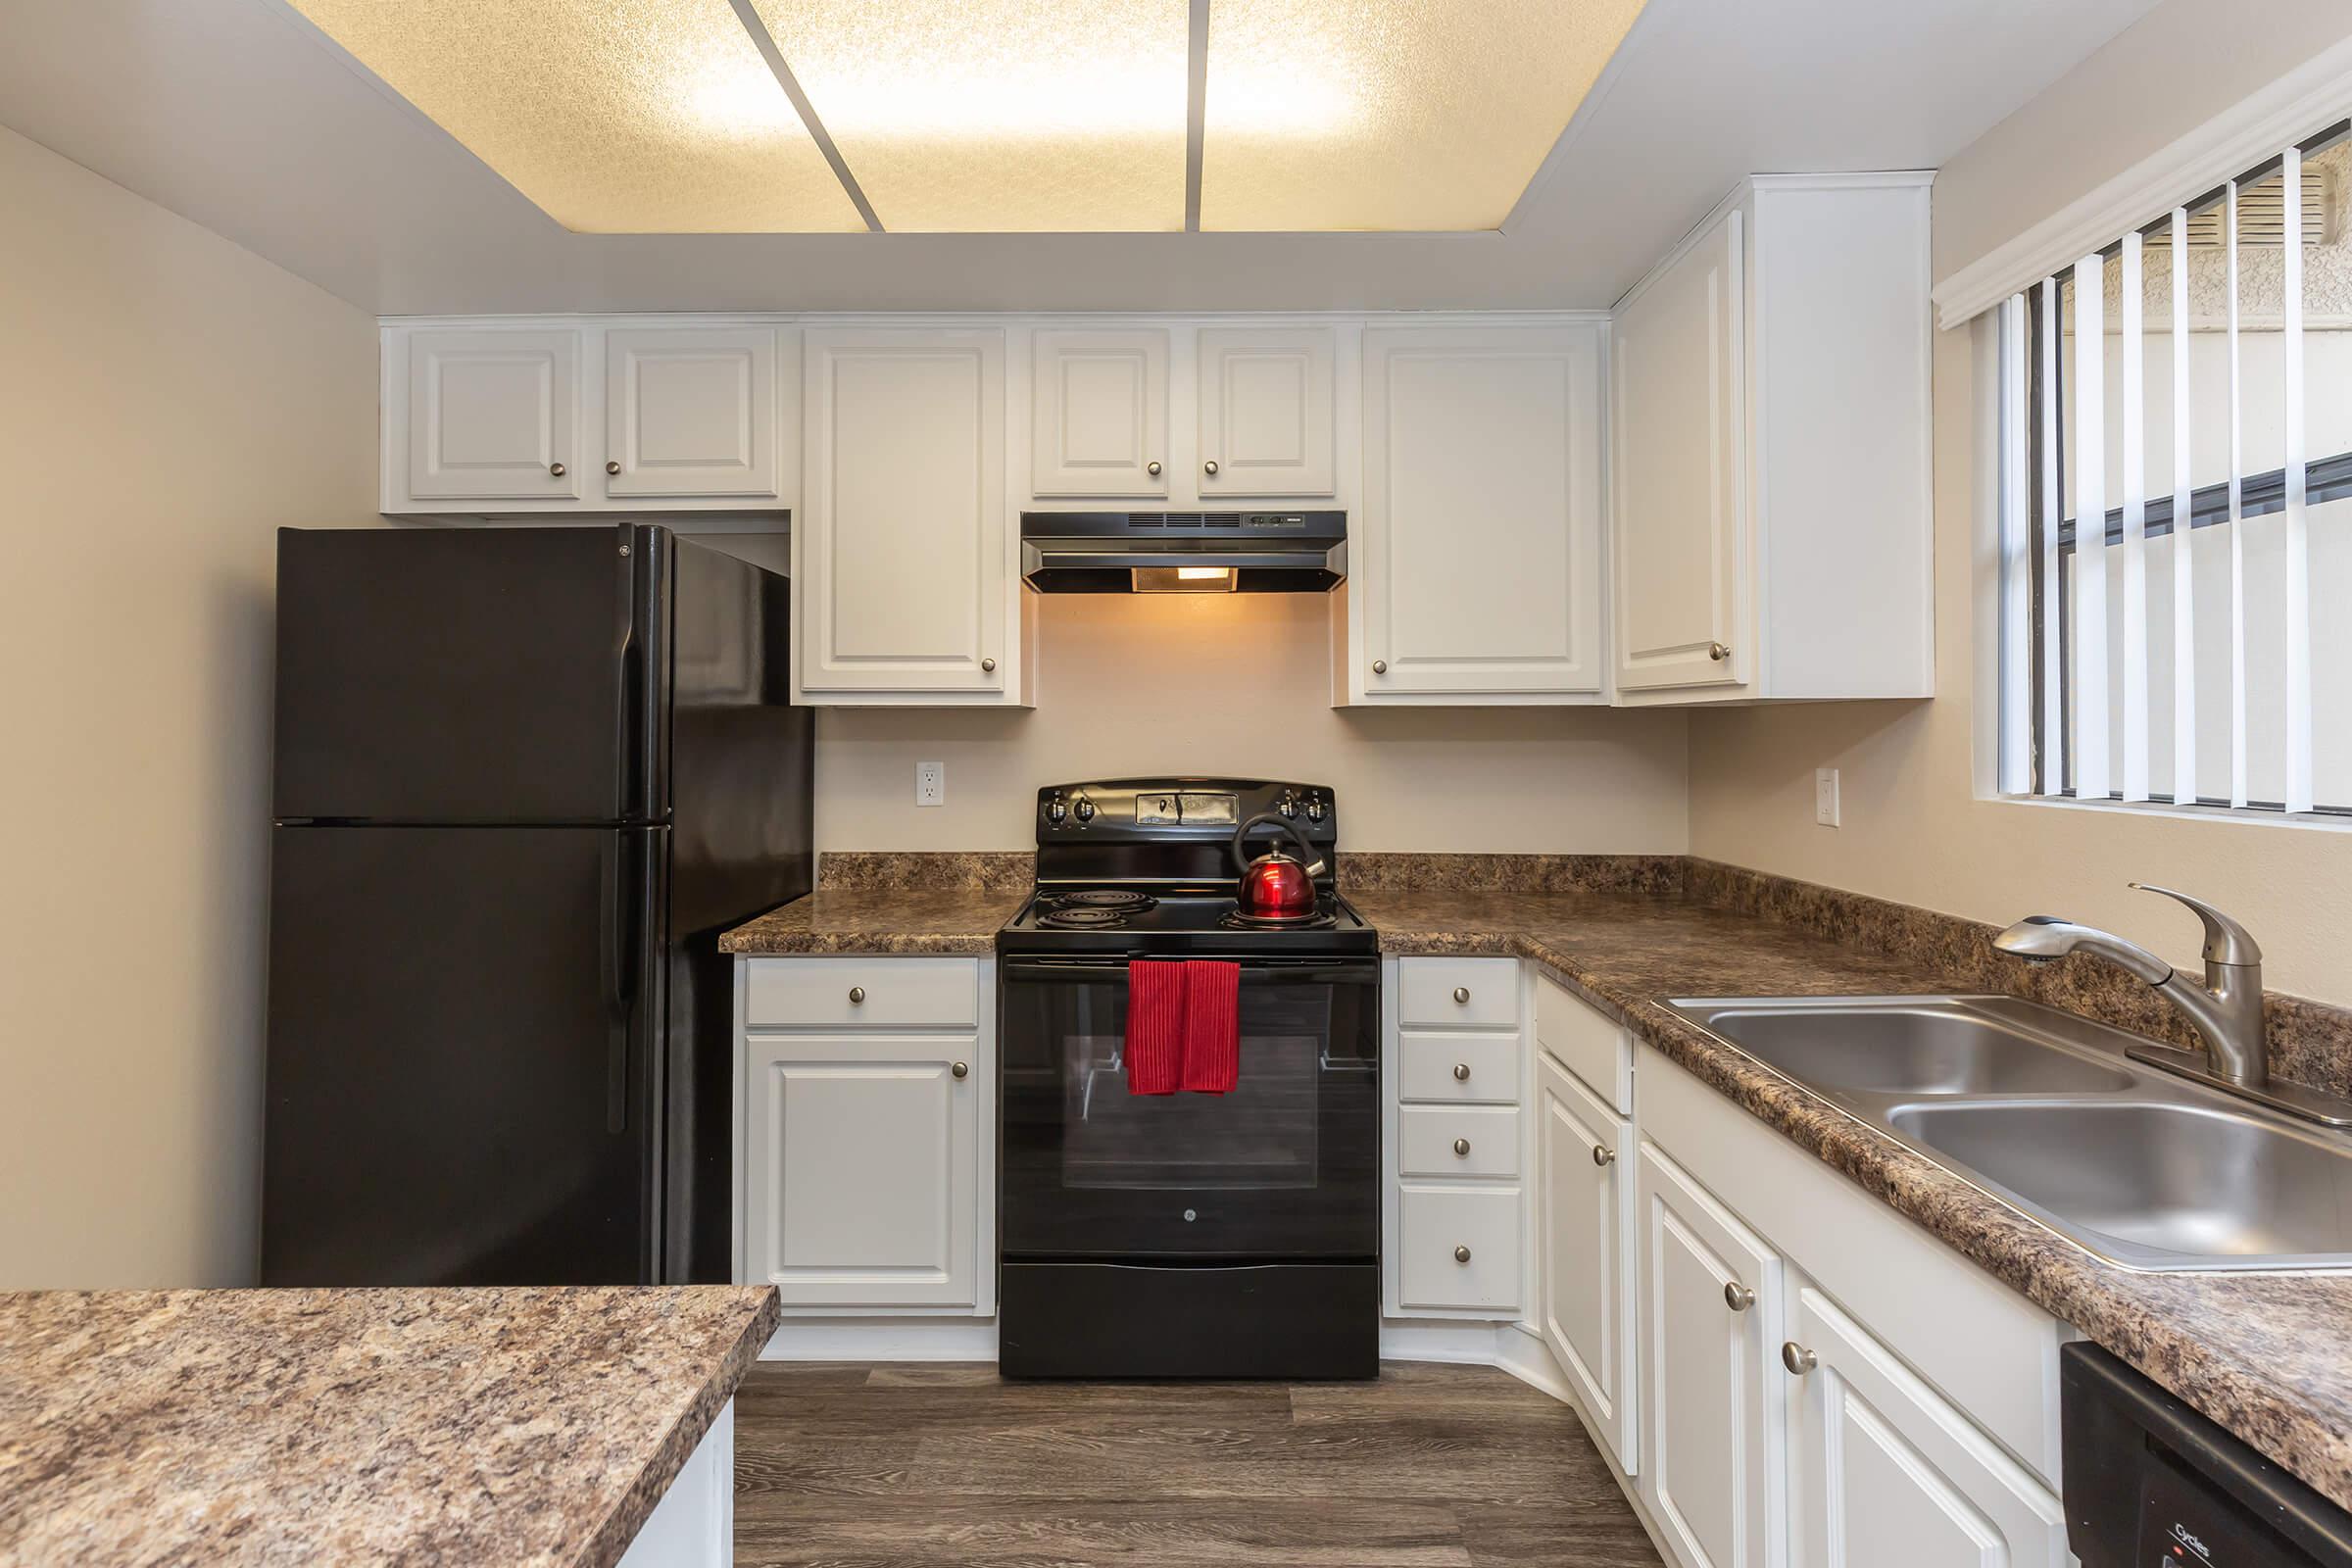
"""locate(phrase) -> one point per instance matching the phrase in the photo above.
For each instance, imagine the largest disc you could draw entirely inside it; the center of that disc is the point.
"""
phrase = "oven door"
(1284, 1166)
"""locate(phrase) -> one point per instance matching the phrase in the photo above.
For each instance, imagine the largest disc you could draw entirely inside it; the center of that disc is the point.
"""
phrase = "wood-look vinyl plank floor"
(921, 1466)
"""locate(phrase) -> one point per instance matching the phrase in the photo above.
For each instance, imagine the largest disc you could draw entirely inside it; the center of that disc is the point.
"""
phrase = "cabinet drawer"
(1585, 1041)
(878, 993)
(1458, 1141)
(1436, 1226)
(1464, 1069)
(1458, 992)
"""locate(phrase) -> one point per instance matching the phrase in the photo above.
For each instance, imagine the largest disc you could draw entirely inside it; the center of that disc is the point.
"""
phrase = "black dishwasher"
(2150, 1482)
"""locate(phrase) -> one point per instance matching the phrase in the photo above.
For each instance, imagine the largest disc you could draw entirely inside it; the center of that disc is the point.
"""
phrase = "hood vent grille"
(1184, 519)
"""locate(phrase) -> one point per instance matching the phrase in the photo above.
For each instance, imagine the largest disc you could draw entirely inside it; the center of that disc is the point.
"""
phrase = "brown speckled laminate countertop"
(358, 1426)
(897, 920)
(2267, 1355)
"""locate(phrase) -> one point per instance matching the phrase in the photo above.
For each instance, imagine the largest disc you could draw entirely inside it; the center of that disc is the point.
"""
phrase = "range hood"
(1183, 552)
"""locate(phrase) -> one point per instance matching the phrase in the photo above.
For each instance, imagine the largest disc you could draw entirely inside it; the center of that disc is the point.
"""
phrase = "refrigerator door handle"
(618, 939)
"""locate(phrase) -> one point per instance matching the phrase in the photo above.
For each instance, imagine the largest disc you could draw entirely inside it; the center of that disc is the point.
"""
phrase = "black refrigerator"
(524, 778)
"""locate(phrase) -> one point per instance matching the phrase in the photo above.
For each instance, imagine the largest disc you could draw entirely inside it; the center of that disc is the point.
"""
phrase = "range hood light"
(1183, 579)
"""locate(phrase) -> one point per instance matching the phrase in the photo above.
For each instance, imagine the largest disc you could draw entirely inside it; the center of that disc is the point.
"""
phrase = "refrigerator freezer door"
(472, 674)
(465, 1042)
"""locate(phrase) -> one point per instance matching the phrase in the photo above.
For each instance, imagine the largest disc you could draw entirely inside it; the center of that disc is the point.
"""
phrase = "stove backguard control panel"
(1179, 811)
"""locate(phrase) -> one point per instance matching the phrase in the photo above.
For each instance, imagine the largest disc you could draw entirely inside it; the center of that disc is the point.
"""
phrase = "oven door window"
(1285, 1165)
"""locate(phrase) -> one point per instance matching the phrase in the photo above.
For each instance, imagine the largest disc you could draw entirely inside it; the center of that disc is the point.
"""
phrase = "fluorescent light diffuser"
(1375, 115)
(999, 116)
(1183, 579)
(613, 115)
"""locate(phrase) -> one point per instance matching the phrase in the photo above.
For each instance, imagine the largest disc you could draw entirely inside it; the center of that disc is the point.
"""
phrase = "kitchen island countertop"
(514, 1426)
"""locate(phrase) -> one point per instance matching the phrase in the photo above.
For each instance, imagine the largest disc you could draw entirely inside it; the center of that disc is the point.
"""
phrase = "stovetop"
(1176, 919)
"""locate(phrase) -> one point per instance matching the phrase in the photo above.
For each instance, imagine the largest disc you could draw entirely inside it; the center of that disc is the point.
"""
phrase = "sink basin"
(2152, 1178)
(2045, 1112)
(1910, 1049)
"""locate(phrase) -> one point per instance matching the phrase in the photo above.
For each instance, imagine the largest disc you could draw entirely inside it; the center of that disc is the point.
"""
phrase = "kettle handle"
(1306, 849)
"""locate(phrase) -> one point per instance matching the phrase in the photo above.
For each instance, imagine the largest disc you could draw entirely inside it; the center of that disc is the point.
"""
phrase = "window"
(2177, 504)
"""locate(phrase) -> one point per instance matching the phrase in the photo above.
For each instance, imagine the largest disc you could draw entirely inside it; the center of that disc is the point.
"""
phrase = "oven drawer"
(1459, 1069)
(1458, 1141)
(861, 993)
(1457, 1247)
(1458, 992)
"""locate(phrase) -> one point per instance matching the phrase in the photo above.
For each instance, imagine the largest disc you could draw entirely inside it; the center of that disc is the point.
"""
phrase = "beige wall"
(1916, 827)
(166, 400)
(1240, 684)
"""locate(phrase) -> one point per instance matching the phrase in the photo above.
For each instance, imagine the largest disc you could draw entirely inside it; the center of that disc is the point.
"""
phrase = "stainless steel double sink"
(2042, 1111)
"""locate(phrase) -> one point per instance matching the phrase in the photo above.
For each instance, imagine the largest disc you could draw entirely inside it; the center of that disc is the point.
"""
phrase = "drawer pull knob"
(988, 666)
(1737, 1296)
(962, 1070)
(1461, 1072)
(857, 996)
(1797, 1358)
(1461, 994)
(1604, 1156)
(1719, 651)
(1461, 1146)
(1461, 1255)
(1153, 468)
(612, 464)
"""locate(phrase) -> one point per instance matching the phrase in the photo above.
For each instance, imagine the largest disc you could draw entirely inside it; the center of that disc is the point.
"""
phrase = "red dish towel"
(1155, 1017)
(1212, 1026)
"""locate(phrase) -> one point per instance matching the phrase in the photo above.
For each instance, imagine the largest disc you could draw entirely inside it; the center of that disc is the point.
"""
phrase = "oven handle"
(1316, 971)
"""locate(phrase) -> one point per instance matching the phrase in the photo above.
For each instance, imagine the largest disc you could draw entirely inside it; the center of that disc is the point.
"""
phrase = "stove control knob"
(1314, 809)
(1085, 810)
(1288, 806)
(1055, 811)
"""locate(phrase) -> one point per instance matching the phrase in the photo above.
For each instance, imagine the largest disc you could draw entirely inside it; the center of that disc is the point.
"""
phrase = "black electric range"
(1186, 1234)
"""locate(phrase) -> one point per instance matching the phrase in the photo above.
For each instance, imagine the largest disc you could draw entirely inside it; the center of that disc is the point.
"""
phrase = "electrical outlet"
(1824, 796)
(930, 783)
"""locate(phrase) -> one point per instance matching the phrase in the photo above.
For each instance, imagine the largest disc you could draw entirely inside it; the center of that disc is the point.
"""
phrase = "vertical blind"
(2176, 498)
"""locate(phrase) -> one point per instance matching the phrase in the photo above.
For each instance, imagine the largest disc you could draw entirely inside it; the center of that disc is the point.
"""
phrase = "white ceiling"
(238, 115)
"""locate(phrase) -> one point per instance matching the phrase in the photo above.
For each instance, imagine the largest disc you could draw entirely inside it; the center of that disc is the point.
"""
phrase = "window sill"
(2181, 813)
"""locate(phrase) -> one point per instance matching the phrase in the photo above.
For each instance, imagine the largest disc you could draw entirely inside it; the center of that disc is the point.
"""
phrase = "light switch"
(1824, 796)
(930, 783)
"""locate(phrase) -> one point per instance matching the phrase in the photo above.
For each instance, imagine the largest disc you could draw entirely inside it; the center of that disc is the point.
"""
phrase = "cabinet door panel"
(1482, 519)
(1888, 1472)
(1586, 1241)
(1680, 427)
(691, 411)
(1710, 1458)
(862, 1170)
(901, 585)
(493, 414)
(1099, 413)
(1266, 412)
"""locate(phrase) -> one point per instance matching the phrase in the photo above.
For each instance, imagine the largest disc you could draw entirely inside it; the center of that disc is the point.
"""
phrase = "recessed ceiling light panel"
(999, 116)
(613, 116)
(1406, 115)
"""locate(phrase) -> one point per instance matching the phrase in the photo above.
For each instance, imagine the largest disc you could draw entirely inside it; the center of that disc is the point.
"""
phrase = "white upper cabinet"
(1266, 412)
(902, 583)
(691, 411)
(1099, 413)
(1477, 568)
(1771, 512)
(492, 414)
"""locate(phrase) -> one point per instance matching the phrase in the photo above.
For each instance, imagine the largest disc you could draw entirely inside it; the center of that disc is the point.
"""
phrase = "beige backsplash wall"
(1915, 827)
(1240, 684)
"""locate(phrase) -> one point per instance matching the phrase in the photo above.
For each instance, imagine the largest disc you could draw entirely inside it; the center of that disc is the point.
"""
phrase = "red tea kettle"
(1277, 885)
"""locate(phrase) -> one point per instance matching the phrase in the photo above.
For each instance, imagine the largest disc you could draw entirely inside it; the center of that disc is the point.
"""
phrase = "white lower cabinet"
(1713, 1444)
(866, 1154)
(1455, 1211)
(1885, 1471)
(1586, 1248)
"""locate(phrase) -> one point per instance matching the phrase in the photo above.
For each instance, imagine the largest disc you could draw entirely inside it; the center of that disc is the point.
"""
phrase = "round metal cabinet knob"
(1797, 1358)
(1379, 667)
(962, 1070)
(1461, 1072)
(1461, 1146)
(857, 996)
(1461, 1255)
(1461, 994)
(989, 665)
(612, 464)
(556, 468)
(1719, 651)
(1152, 469)
(1209, 467)
(1604, 1156)
(1737, 1296)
